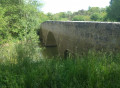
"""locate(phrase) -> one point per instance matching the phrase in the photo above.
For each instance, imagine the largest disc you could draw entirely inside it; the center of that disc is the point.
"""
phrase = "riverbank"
(22, 67)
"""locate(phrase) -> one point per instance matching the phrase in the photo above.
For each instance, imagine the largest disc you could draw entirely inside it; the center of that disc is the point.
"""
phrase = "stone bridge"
(80, 36)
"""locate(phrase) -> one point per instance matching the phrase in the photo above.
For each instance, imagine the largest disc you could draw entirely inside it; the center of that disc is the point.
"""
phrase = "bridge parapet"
(81, 36)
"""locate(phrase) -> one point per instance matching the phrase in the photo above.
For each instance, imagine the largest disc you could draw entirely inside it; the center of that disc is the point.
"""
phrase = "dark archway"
(51, 46)
(51, 40)
(40, 34)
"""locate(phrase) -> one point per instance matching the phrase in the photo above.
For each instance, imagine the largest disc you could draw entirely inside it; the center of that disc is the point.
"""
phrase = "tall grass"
(22, 67)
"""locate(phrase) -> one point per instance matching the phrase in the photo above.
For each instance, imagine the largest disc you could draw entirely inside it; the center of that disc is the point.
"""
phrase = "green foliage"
(93, 13)
(17, 57)
(4, 32)
(62, 16)
(95, 16)
(24, 68)
(19, 18)
(50, 16)
(92, 10)
(113, 12)
(81, 18)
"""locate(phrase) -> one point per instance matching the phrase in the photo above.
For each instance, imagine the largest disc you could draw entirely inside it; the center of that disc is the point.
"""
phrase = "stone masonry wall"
(79, 36)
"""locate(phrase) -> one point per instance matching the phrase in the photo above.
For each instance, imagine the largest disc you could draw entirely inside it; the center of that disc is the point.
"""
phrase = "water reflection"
(48, 52)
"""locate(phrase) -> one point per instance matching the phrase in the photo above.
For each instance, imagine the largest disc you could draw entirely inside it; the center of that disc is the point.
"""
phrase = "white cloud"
(55, 6)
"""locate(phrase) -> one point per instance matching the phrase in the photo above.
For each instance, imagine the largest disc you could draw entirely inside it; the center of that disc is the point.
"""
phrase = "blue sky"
(55, 6)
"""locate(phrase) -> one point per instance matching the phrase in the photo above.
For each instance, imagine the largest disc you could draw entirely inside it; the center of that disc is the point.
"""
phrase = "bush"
(81, 18)
(94, 70)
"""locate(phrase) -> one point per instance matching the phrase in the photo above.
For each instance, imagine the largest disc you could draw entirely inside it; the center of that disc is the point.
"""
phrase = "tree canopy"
(113, 11)
(92, 14)
(18, 18)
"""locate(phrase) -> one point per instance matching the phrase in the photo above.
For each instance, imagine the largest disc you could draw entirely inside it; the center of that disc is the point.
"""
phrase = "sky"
(55, 6)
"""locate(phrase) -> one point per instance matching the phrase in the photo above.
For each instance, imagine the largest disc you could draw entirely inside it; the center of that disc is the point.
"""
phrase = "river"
(48, 52)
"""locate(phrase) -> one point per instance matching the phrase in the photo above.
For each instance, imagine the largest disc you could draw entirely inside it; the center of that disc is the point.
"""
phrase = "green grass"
(22, 67)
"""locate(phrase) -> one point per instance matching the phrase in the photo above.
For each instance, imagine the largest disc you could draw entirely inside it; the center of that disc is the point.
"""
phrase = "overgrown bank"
(22, 67)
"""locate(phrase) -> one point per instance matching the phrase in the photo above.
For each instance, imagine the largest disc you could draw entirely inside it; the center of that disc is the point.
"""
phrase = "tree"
(3, 30)
(93, 10)
(95, 17)
(19, 18)
(113, 11)
(50, 16)
(22, 15)
(81, 18)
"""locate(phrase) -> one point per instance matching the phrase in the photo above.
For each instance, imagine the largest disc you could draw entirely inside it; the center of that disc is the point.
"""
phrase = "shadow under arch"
(50, 41)
(51, 49)
(40, 34)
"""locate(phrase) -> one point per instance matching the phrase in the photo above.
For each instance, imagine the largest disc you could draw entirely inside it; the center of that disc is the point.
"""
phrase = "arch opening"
(51, 49)
(50, 41)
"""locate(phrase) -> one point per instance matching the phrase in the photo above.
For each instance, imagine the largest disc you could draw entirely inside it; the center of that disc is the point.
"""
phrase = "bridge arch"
(83, 35)
(51, 41)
